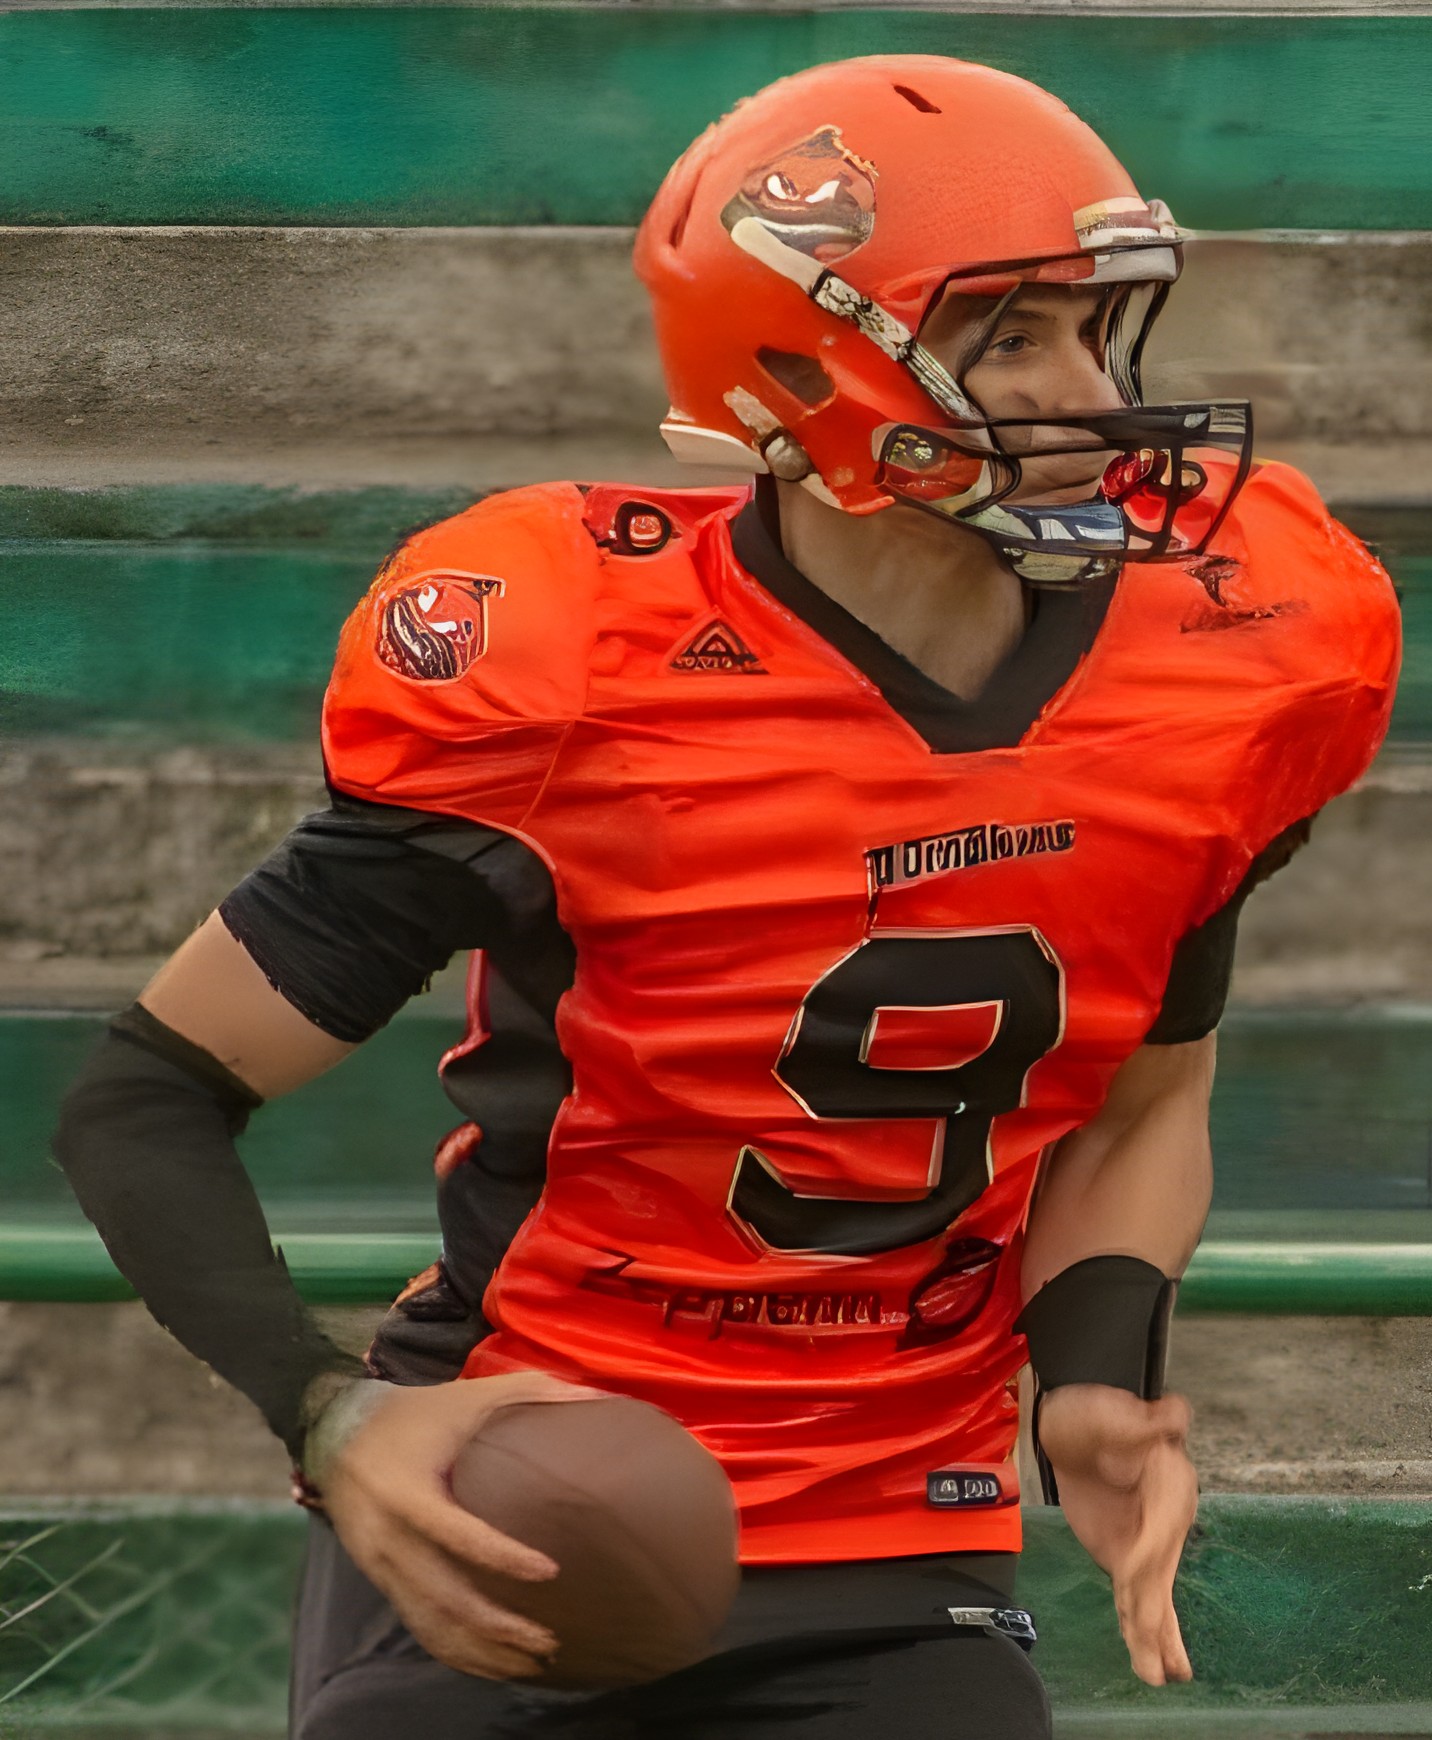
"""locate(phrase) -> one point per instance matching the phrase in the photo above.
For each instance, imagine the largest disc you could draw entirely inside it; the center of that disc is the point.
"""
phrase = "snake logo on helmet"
(795, 252)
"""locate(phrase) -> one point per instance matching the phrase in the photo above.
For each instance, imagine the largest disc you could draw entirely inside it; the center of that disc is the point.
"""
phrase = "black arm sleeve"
(1202, 963)
(347, 918)
(146, 1139)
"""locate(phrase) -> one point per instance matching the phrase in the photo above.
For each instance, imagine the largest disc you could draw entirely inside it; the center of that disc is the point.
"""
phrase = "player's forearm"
(148, 1146)
(1135, 1181)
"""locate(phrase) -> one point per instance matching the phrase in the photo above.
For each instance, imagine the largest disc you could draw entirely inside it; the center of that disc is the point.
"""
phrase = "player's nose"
(1075, 381)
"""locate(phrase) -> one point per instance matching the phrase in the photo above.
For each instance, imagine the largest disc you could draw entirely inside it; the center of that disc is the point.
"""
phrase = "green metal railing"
(1314, 1278)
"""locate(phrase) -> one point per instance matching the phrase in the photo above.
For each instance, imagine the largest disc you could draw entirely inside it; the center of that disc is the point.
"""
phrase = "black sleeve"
(352, 913)
(146, 1139)
(347, 917)
(1202, 964)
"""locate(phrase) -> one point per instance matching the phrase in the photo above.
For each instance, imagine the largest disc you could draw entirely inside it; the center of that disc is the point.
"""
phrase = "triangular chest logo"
(719, 649)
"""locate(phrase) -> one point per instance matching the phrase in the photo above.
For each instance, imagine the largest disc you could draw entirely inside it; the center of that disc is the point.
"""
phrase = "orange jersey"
(844, 970)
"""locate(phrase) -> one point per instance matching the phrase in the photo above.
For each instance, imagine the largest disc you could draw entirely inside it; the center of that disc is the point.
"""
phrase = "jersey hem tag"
(965, 1489)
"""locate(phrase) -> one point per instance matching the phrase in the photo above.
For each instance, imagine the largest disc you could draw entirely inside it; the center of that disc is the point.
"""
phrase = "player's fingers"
(437, 1518)
(1177, 1666)
(1152, 1634)
(1143, 1531)
(1145, 1579)
(1146, 1614)
(467, 1654)
(439, 1604)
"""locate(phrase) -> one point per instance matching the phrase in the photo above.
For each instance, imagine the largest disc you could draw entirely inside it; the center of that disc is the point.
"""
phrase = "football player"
(852, 864)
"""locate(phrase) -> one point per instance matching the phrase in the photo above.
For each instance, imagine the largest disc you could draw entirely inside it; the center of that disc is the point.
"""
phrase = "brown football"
(639, 1517)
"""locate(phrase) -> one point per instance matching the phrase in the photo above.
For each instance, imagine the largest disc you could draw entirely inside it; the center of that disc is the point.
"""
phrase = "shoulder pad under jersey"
(1333, 632)
(463, 666)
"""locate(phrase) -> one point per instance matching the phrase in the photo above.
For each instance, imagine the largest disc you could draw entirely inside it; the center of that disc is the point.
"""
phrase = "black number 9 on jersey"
(829, 1066)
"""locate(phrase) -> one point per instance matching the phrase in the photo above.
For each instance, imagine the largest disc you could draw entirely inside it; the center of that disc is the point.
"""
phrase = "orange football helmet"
(794, 252)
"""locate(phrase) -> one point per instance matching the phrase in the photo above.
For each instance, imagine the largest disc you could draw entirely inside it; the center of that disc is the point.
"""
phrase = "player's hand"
(1130, 1495)
(385, 1489)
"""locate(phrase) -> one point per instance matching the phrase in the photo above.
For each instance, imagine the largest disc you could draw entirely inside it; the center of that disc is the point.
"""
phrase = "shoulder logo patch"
(717, 648)
(435, 628)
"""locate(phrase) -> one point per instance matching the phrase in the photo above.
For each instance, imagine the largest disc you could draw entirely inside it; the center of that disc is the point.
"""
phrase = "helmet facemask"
(1172, 470)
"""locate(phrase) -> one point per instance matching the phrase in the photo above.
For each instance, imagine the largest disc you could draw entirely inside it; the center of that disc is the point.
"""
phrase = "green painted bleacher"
(1323, 1200)
(436, 115)
(201, 612)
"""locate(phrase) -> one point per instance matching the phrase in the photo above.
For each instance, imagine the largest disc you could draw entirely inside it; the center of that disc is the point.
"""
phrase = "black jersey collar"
(1062, 630)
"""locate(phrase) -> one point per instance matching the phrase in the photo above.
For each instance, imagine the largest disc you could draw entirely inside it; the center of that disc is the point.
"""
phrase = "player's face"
(1043, 357)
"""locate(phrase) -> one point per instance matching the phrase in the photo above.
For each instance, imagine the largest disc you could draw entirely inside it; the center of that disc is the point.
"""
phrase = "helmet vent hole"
(801, 376)
(678, 225)
(916, 101)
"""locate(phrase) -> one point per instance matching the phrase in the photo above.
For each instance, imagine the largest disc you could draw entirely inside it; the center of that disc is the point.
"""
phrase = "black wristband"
(146, 1139)
(1104, 1320)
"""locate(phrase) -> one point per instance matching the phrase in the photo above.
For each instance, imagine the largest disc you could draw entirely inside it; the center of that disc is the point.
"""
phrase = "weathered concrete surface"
(97, 1399)
(1329, 336)
(1350, 919)
(271, 331)
(241, 351)
(111, 851)
(104, 851)
(477, 462)
(1369, 473)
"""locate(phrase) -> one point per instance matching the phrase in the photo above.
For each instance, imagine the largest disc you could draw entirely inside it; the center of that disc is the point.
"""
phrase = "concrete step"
(492, 356)
(100, 1401)
(112, 848)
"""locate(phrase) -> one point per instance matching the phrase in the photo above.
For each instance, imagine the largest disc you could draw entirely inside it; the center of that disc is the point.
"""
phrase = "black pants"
(811, 1652)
